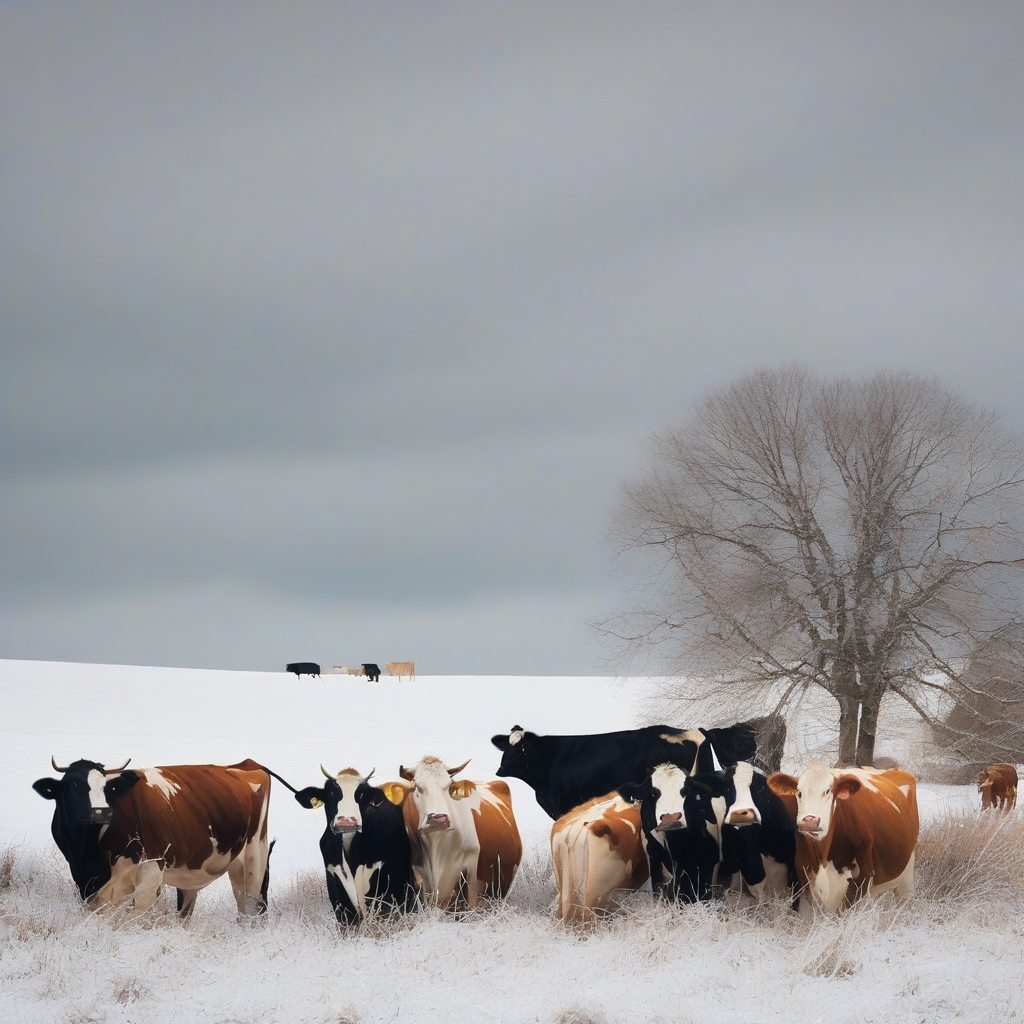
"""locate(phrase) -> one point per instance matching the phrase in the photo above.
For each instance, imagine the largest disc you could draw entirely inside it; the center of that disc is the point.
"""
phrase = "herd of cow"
(693, 811)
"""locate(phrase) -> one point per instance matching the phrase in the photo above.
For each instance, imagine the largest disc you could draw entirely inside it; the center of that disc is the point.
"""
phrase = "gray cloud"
(342, 305)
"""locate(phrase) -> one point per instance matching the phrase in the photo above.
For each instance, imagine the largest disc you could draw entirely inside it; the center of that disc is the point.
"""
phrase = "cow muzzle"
(100, 816)
(670, 822)
(743, 816)
(809, 823)
(345, 826)
(435, 823)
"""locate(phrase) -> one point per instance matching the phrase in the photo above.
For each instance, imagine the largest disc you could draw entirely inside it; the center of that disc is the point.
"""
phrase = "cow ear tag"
(314, 802)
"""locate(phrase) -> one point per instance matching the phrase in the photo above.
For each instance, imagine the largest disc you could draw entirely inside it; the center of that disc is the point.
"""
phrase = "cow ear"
(712, 783)
(501, 742)
(845, 786)
(311, 797)
(395, 792)
(782, 784)
(461, 788)
(119, 785)
(633, 791)
(48, 789)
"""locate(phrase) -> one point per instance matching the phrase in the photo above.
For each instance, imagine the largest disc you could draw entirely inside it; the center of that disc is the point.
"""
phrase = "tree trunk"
(866, 736)
(847, 730)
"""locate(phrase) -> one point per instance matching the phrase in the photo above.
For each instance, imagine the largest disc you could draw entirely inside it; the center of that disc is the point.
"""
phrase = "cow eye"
(799, 794)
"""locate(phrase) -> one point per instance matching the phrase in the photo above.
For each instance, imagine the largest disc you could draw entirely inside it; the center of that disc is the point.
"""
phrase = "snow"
(921, 961)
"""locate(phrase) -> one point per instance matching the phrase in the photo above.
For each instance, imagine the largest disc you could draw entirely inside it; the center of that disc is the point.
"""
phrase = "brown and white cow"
(462, 833)
(126, 833)
(401, 668)
(997, 785)
(856, 831)
(596, 849)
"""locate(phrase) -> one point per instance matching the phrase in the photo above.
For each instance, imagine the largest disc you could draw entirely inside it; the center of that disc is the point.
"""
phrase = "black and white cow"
(366, 849)
(566, 771)
(758, 833)
(681, 825)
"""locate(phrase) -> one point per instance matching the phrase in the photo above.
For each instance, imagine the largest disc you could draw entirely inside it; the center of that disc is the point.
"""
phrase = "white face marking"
(814, 796)
(743, 776)
(97, 798)
(348, 812)
(156, 778)
(430, 790)
(669, 780)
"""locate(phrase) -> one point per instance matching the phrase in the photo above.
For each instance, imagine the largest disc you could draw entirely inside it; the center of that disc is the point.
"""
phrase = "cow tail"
(284, 782)
(265, 887)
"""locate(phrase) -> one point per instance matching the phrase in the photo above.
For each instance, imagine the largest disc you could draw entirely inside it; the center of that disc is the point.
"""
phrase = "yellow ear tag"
(314, 802)
(394, 792)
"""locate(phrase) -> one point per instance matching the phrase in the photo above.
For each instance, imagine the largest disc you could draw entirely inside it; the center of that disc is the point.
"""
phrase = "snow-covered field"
(942, 956)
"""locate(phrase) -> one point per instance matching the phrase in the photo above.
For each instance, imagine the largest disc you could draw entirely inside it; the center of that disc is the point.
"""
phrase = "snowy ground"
(939, 957)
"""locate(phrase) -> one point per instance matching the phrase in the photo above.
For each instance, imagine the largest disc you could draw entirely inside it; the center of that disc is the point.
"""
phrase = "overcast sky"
(330, 331)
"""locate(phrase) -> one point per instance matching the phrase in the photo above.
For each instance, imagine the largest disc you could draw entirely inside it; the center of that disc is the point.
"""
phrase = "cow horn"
(366, 778)
(327, 774)
(455, 771)
(114, 771)
(57, 767)
(405, 773)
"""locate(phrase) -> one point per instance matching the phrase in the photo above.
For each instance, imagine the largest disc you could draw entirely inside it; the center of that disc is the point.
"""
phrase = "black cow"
(303, 668)
(758, 833)
(566, 771)
(371, 671)
(681, 828)
(366, 849)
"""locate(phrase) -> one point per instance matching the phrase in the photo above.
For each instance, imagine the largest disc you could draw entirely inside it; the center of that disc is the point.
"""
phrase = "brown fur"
(867, 834)
(613, 856)
(997, 785)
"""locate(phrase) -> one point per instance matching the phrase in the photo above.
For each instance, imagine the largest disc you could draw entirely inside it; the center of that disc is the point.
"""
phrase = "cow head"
(87, 793)
(342, 797)
(816, 792)
(736, 787)
(431, 792)
(660, 798)
(85, 800)
(519, 756)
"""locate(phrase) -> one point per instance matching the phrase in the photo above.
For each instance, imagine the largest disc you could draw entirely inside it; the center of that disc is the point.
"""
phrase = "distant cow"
(462, 832)
(126, 833)
(401, 668)
(353, 670)
(371, 671)
(595, 849)
(997, 785)
(857, 831)
(758, 833)
(681, 826)
(303, 668)
(365, 846)
(566, 771)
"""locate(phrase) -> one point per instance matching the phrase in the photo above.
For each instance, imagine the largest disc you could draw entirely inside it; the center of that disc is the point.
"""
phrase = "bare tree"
(842, 534)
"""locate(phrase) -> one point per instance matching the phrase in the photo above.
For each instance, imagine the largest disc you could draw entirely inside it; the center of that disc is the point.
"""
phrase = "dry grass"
(971, 858)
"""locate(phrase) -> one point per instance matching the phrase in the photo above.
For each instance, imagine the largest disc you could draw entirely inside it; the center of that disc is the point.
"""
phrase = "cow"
(758, 834)
(997, 785)
(303, 668)
(566, 771)
(365, 846)
(125, 833)
(596, 849)
(401, 668)
(856, 833)
(353, 670)
(681, 826)
(463, 833)
(371, 671)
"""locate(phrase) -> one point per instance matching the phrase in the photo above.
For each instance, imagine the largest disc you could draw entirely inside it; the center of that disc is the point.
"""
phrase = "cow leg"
(247, 872)
(475, 887)
(186, 901)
